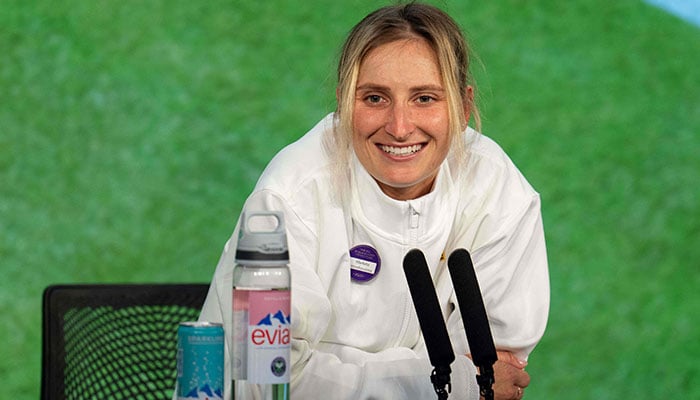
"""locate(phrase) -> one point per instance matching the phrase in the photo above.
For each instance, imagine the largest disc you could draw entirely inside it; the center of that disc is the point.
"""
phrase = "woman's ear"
(468, 101)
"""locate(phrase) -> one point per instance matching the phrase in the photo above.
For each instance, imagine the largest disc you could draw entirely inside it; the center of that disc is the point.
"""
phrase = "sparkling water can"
(200, 361)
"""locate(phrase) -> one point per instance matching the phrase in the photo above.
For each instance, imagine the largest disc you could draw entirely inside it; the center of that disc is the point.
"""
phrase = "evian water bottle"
(261, 345)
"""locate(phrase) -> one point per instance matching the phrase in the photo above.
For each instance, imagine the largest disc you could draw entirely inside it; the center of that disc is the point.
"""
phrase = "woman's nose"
(400, 124)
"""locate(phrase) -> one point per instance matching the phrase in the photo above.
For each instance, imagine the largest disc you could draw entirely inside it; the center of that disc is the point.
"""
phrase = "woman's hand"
(510, 376)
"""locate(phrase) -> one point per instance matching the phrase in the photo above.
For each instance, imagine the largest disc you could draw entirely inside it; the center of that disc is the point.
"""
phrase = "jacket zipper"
(413, 220)
(413, 223)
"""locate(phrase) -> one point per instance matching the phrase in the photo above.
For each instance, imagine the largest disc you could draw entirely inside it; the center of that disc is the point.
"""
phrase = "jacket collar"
(401, 220)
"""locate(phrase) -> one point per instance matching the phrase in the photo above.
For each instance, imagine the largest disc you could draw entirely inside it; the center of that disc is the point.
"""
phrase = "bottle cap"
(262, 239)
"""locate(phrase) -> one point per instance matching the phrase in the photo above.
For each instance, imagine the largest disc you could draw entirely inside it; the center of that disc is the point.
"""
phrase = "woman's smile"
(401, 151)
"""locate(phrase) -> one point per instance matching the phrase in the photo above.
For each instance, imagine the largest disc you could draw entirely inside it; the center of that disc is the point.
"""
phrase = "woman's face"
(400, 119)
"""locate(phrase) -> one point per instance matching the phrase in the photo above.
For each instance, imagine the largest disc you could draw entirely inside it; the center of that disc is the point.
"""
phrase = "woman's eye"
(425, 99)
(373, 98)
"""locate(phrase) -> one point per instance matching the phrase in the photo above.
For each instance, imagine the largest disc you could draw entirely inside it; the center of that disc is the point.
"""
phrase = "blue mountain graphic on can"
(205, 390)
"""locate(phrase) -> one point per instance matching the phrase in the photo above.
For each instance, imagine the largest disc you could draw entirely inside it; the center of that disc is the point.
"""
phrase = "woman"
(396, 168)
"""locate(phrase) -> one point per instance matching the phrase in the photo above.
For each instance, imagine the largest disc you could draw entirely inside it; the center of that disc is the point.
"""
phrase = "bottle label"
(261, 353)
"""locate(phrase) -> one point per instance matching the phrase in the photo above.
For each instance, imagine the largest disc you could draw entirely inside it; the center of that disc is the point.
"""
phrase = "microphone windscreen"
(471, 305)
(425, 301)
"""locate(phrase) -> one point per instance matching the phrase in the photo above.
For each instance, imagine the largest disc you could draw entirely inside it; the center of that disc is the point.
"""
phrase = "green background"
(132, 131)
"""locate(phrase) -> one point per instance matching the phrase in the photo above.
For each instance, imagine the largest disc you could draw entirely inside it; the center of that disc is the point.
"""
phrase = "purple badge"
(364, 263)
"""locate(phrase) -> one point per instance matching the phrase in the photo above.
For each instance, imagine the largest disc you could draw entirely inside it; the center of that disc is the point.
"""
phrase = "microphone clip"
(486, 379)
(441, 381)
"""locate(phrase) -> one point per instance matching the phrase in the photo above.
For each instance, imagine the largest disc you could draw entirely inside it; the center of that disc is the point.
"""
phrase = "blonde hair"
(390, 24)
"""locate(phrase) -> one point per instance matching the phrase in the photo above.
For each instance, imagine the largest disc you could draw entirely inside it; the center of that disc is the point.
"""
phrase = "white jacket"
(361, 340)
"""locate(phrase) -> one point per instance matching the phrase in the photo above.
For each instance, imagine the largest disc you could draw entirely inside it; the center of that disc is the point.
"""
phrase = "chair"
(114, 341)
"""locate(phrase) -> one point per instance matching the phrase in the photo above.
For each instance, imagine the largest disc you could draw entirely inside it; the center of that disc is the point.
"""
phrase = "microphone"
(474, 318)
(425, 300)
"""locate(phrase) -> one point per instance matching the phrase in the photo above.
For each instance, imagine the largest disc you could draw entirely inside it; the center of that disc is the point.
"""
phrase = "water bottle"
(261, 343)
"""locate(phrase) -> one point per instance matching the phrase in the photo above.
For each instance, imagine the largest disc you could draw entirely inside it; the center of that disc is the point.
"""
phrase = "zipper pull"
(413, 219)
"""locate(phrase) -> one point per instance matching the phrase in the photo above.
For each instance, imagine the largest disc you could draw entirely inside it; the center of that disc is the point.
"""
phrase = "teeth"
(401, 151)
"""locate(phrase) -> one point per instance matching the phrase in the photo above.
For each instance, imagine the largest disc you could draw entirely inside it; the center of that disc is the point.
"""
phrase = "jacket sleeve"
(395, 373)
(511, 265)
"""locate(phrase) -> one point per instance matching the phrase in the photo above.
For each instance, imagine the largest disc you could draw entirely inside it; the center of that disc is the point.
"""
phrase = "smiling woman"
(401, 131)
(394, 168)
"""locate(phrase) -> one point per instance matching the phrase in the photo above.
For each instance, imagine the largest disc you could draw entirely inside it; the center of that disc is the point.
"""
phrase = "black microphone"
(474, 318)
(425, 300)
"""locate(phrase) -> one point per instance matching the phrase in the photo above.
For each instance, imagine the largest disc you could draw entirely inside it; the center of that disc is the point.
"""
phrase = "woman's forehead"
(406, 61)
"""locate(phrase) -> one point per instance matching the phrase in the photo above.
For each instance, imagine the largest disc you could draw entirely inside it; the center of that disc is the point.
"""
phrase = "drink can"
(200, 360)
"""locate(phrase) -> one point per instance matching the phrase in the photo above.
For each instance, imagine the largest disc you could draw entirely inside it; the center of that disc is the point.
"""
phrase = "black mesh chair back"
(108, 341)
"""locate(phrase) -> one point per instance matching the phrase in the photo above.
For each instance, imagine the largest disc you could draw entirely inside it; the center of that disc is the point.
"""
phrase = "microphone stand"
(485, 379)
(474, 318)
(441, 381)
(437, 340)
